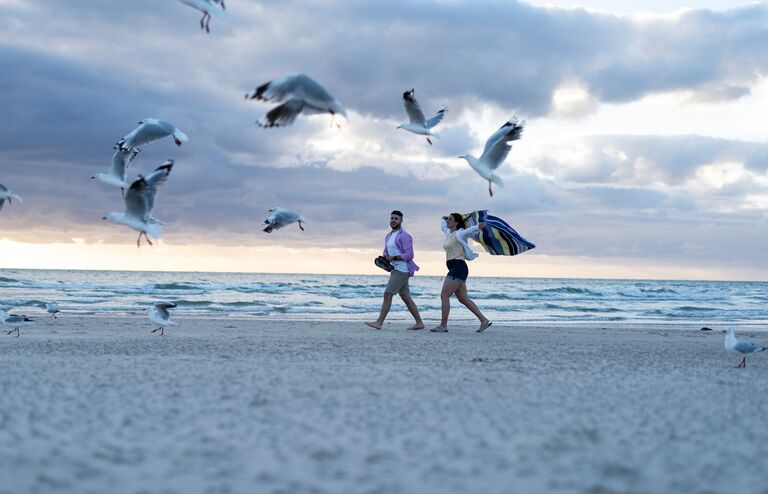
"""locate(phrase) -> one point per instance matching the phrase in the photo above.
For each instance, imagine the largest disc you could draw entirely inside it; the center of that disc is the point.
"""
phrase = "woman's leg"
(463, 297)
(449, 288)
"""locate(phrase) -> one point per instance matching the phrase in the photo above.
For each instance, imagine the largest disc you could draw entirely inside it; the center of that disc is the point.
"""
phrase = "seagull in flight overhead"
(7, 194)
(281, 217)
(159, 315)
(121, 160)
(740, 346)
(208, 7)
(495, 152)
(298, 94)
(418, 124)
(140, 203)
(151, 129)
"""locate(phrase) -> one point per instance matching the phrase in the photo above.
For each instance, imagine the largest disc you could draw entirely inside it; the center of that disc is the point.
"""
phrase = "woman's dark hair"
(459, 219)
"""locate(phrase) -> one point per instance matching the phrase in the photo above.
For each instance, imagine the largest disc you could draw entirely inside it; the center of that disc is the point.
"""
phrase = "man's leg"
(385, 306)
(406, 296)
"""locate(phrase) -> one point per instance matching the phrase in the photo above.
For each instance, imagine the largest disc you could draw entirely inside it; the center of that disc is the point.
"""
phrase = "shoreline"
(398, 318)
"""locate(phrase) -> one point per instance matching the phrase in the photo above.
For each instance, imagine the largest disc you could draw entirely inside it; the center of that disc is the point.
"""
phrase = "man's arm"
(406, 242)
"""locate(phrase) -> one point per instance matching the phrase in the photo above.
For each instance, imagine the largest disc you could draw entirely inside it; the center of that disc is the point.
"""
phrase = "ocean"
(355, 297)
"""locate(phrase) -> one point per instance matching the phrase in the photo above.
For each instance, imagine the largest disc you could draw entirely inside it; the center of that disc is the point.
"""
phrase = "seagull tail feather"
(155, 230)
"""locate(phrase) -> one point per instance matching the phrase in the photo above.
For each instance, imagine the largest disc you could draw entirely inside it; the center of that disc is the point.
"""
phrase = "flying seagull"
(140, 203)
(159, 315)
(14, 321)
(298, 93)
(151, 129)
(418, 124)
(7, 194)
(740, 346)
(121, 160)
(52, 308)
(208, 7)
(281, 217)
(495, 152)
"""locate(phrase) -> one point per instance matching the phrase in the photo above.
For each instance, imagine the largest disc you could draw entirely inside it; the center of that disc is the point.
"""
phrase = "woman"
(457, 252)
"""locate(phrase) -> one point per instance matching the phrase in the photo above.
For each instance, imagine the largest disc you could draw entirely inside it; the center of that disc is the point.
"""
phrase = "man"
(398, 250)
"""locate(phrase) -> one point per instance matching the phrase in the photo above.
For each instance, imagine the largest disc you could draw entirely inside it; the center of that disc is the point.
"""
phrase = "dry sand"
(221, 406)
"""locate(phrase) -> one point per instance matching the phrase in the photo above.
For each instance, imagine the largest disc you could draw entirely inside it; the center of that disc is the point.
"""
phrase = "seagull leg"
(429, 140)
(207, 21)
(301, 227)
(147, 238)
(743, 363)
(156, 330)
(490, 190)
(138, 240)
(202, 23)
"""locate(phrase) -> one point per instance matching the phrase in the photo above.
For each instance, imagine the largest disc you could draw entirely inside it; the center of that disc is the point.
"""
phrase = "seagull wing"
(286, 113)
(150, 130)
(162, 309)
(121, 160)
(437, 118)
(136, 200)
(745, 346)
(496, 147)
(412, 108)
(154, 180)
(296, 86)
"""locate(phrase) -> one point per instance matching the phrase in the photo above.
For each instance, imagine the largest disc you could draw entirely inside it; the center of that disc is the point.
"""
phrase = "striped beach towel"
(498, 239)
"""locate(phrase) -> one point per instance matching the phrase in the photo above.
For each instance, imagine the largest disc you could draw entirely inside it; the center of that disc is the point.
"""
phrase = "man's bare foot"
(439, 329)
(374, 325)
(415, 327)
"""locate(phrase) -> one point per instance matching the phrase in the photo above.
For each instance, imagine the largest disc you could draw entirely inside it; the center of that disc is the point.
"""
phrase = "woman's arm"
(466, 233)
(444, 227)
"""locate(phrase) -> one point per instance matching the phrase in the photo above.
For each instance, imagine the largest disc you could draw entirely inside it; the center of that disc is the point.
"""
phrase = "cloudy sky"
(644, 154)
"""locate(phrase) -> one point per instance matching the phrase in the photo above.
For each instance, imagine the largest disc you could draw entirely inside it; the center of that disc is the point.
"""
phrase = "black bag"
(382, 262)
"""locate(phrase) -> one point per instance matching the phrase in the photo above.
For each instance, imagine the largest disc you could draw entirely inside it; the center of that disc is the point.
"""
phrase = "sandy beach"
(100, 405)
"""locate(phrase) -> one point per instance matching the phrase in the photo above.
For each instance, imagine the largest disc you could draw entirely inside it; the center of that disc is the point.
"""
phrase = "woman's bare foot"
(439, 329)
(374, 325)
(484, 325)
(416, 327)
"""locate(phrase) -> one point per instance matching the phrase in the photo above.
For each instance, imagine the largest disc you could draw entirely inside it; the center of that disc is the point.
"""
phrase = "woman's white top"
(455, 245)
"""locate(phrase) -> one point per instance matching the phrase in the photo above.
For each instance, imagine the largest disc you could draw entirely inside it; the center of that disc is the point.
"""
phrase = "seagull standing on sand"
(52, 309)
(208, 7)
(151, 129)
(14, 321)
(281, 217)
(159, 315)
(298, 93)
(7, 194)
(740, 346)
(418, 124)
(121, 160)
(140, 203)
(495, 152)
